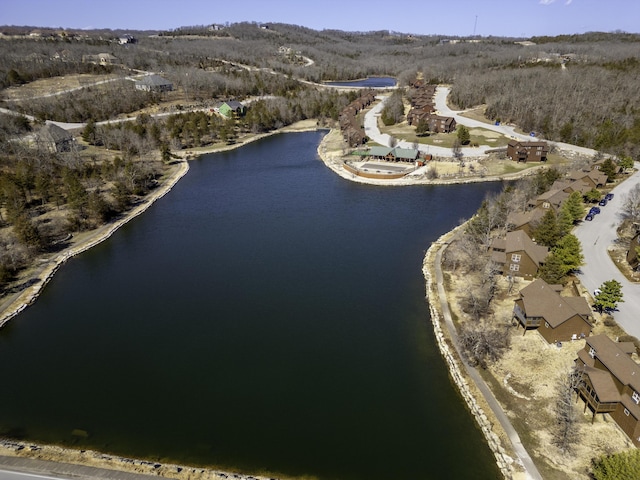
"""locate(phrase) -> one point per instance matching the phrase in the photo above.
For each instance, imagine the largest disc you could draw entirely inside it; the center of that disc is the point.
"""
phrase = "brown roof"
(518, 219)
(519, 241)
(596, 176)
(580, 305)
(569, 185)
(617, 361)
(603, 384)
(542, 300)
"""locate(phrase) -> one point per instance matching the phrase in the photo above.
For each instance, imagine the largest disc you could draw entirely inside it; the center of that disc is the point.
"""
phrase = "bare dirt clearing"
(55, 85)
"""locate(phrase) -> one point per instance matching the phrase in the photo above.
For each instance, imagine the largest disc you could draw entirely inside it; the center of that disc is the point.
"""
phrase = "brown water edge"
(91, 458)
(44, 272)
(38, 276)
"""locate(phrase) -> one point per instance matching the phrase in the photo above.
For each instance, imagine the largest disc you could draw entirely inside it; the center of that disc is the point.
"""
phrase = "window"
(514, 267)
(626, 412)
(515, 257)
(546, 324)
(592, 352)
(635, 397)
(546, 205)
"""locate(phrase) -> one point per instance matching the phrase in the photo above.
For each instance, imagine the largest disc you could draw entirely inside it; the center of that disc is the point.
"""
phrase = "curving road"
(596, 236)
(440, 100)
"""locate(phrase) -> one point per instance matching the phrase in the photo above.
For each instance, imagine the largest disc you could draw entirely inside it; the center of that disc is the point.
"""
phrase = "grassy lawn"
(479, 136)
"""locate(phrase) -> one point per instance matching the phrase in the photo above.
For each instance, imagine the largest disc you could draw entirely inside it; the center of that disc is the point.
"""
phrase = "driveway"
(596, 237)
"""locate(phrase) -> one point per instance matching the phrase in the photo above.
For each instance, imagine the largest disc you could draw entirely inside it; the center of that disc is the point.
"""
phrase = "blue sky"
(522, 18)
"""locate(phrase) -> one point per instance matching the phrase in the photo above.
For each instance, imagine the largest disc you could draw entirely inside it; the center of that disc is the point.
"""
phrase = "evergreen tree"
(27, 233)
(569, 252)
(76, 193)
(547, 232)
(608, 296)
(618, 466)
(565, 222)
(422, 128)
(609, 169)
(552, 271)
(544, 179)
(626, 162)
(573, 205)
(463, 135)
(592, 195)
(89, 132)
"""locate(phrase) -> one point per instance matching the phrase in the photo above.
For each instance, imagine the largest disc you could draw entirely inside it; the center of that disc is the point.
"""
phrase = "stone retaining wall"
(29, 296)
(504, 461)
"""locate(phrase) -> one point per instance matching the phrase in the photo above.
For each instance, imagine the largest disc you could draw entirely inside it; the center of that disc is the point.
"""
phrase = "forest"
(580, 89)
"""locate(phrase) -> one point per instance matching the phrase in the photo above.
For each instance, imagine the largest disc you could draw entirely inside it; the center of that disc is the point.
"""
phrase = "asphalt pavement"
(596, 237)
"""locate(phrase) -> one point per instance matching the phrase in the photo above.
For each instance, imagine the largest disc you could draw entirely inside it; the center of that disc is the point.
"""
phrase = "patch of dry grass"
(525, 382)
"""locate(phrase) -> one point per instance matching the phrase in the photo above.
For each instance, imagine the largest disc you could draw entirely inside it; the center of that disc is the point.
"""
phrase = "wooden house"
(632, 255)
(594, 178)
(154, 83)
(525, 221)
(440, 124)
(518, 255)
(54, 139)
(232, 108)
(556, 318)
(527, 151)
(395, 154)
(553, 199)
(569, 186)
(354, 136)
(611, 382)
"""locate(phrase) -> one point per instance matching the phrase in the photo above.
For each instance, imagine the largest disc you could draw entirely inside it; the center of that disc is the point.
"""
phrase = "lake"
(371, 82)
(265, 316)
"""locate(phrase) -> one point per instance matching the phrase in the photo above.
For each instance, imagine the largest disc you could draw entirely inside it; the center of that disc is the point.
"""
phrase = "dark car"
(608, 196)
(602, 202)
(589, 217)
(594, 211)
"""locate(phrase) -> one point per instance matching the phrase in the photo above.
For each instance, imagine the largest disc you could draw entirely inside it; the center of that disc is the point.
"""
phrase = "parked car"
(589, 217)
(594, 211)
(602, 202)
(608, 196)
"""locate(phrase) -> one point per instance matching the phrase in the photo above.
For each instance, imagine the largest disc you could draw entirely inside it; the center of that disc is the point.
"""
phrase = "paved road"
(17, 468)
(596, 236)
(531, 470)
(440, 100)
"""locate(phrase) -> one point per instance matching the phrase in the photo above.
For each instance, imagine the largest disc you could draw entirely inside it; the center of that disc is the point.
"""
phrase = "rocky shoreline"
(332, 159)
(506, 464)
(504, 461)
(46, 271)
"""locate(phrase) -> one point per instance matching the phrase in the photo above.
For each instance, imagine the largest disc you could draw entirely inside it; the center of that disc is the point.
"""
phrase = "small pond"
(371, 82)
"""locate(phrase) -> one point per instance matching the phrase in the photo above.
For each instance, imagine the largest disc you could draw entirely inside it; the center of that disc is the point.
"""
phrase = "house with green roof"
(232, 108)
(395, 154)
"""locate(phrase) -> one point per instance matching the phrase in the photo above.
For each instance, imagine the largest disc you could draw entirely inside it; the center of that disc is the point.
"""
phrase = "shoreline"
(333, 160)
(66, 455)
(487, 425)
(46, 268)
(44, 272)
(475, 401)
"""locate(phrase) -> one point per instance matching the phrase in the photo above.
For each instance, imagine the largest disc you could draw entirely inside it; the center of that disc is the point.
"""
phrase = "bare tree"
(483, 342)
(567, 428)
(631, 205)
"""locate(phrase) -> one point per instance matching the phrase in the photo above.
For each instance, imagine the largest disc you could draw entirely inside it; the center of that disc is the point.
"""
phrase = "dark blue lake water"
(265, 316)
(371, 82)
